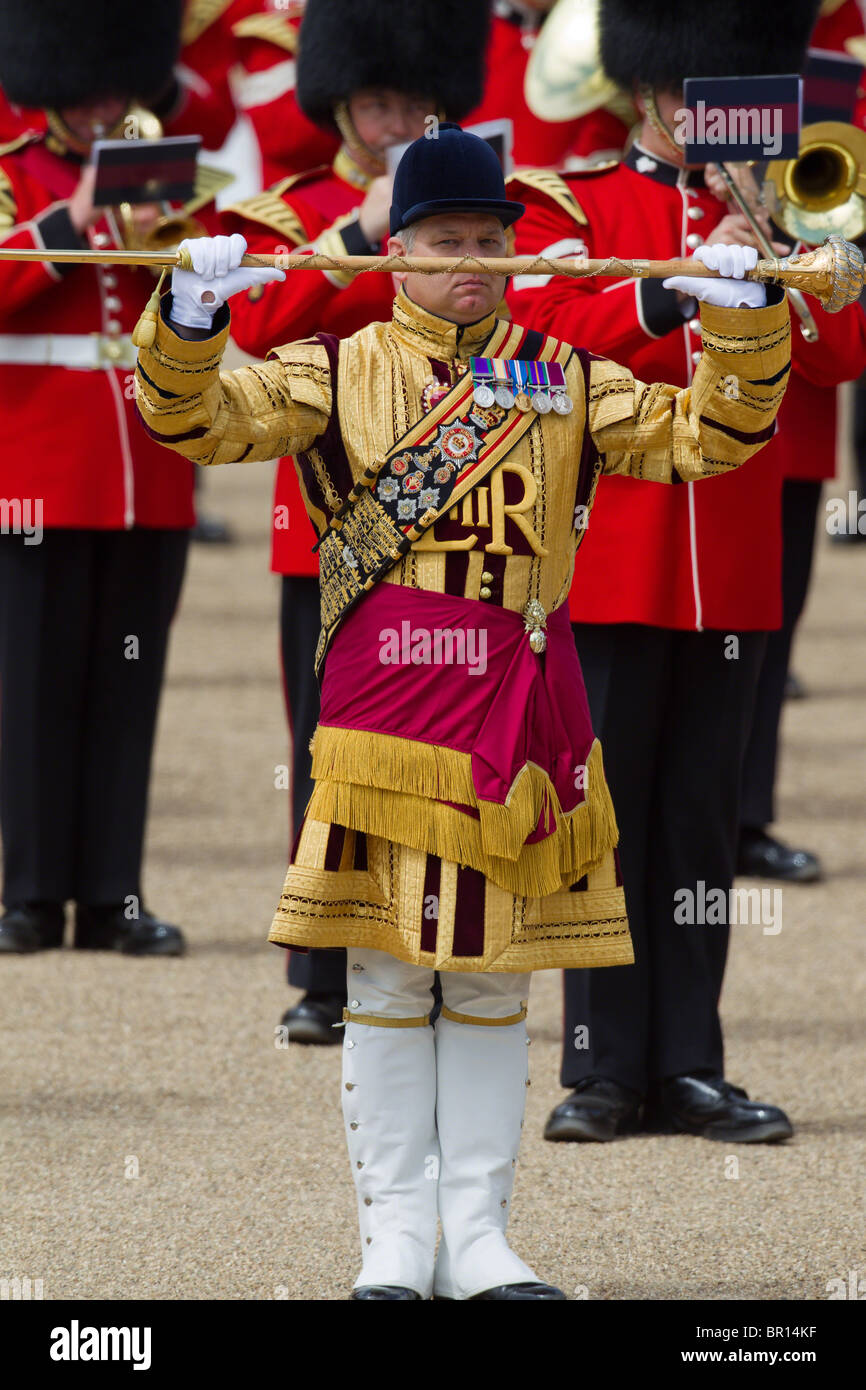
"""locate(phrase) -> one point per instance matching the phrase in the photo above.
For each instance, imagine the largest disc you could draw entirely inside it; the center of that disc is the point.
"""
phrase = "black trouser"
(84, 622)
(320, 971)
(800, 501)
(672, 714)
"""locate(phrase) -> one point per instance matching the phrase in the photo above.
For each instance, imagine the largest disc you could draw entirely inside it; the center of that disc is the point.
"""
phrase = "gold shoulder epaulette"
(199, 15)
(269, 209)
(552, 186)
(589, 168)
(273, 28)
(8, 206)
(19, 142)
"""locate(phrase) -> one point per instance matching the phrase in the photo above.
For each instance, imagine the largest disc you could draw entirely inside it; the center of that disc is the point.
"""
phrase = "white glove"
(217, 273)
(732, 292)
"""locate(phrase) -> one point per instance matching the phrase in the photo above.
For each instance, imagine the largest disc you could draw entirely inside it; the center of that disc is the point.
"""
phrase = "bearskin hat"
(429, 46)
(59, 53)
(659, 43)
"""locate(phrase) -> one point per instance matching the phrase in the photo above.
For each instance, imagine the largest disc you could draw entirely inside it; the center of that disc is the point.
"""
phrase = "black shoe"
(521, 1291)
(597, 1110)
(794, 687)
(27, 927)
(383, 1291)
(209, 531)
(761, 856)
(711, 1107)
(312, 1019)
(108, 929)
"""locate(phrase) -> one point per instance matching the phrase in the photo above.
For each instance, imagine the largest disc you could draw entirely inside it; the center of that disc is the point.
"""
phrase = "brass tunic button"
(695, 214)
(485, 592)
(695, 325)
(696, 357)
(693, 241)
(486, 577)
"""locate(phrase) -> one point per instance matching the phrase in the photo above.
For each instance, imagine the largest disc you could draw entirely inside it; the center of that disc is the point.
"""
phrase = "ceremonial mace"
(833, 273)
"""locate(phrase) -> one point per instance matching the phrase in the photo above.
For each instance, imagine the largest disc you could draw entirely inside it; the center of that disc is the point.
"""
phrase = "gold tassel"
(144, 333)
(578, 845)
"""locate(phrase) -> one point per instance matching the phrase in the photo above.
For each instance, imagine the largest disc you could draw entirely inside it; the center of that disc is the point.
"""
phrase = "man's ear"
(396, 247)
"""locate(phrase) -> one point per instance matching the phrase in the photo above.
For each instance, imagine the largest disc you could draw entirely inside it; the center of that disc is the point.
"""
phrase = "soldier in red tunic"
(378, 74)
(93, 550)
(672, 644)
(267, 39)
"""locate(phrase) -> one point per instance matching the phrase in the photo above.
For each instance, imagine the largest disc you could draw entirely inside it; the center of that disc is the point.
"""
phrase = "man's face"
(466, 296)
(384, 117)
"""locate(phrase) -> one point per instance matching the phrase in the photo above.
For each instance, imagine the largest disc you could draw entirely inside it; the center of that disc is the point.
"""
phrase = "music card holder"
(145, 171)
(734, 119)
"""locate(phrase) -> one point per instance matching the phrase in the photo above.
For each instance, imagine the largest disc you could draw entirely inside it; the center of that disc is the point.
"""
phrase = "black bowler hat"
(455, 172)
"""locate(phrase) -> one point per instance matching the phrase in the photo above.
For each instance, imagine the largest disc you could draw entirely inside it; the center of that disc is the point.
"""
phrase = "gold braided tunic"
(381, 862)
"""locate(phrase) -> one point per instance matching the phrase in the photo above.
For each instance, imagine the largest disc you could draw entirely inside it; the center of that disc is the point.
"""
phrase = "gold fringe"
(416, 818)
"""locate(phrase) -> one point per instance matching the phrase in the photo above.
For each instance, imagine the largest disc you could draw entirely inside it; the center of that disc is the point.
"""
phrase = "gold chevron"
(270, 210)
(273, 28)
(209, 181)
(554, 187)
(198, 16)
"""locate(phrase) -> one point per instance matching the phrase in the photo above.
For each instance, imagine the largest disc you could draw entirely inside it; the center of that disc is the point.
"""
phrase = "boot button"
(487, 577)
(359, 1164)
(369, 1240)
(485, 592)
(354, 1124)
(350, 1043)
(356, 1004)
(368, 1201)
(503, 1203)
(356, 966)
(350, 1085)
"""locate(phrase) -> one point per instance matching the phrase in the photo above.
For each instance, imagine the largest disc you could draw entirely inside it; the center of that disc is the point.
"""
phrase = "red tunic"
(71, 435)
(308, 302)
(704, 555)
(267, 41)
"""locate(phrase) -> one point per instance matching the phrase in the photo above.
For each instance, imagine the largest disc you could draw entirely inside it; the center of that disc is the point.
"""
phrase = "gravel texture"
(170, 1068)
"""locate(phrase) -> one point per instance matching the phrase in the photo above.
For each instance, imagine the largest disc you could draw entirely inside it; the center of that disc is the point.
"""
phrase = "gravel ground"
(157, 1144)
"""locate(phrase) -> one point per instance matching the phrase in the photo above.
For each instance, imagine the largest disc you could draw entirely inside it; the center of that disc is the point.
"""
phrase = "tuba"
(823, 190)
(564, 77)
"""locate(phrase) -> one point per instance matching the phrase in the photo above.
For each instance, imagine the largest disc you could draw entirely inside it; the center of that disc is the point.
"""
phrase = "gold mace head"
(832, 273)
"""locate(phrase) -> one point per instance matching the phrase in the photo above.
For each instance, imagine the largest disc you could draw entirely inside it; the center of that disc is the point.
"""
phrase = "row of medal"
(528, 385)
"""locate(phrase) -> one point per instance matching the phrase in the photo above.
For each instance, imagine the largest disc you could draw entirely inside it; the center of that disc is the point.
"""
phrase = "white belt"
(82, 350)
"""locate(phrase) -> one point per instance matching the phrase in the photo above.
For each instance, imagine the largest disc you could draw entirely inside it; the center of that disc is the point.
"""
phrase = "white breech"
(433, 1120)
